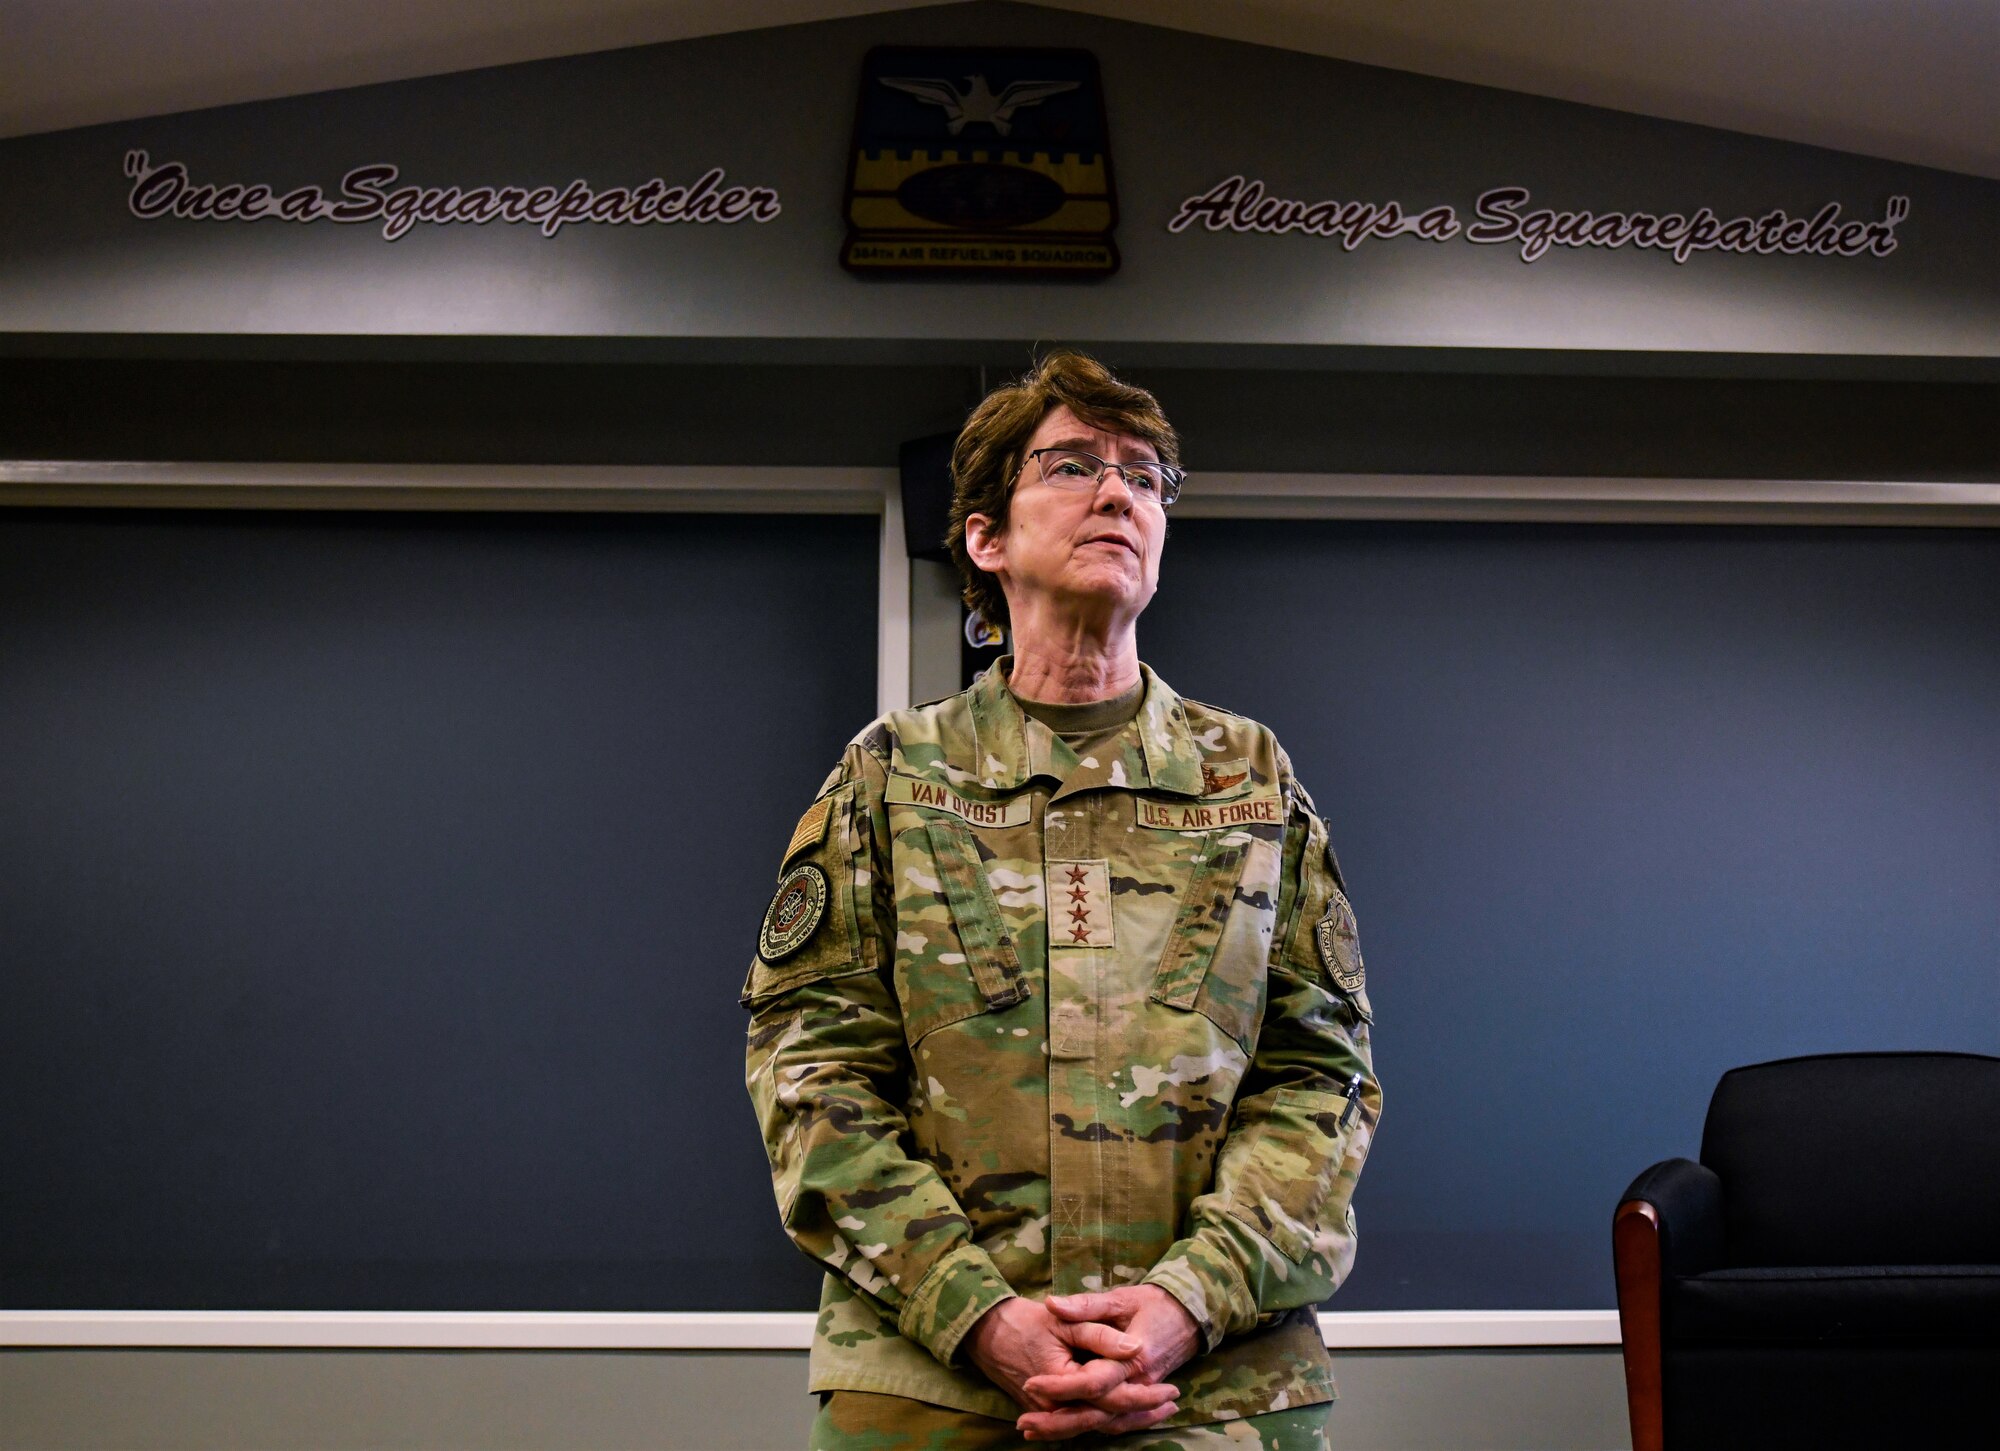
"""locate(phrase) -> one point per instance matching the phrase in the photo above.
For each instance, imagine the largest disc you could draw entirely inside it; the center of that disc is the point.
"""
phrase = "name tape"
(911, 791)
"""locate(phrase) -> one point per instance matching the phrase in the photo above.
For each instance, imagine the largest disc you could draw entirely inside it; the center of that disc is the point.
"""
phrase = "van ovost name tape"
(913, 791)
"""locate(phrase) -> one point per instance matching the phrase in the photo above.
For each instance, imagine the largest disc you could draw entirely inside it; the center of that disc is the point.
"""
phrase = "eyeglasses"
(1069, 468)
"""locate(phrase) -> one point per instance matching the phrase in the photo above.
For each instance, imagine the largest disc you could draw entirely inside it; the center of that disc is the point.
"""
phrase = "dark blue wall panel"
(1621, 807)
(375, 892)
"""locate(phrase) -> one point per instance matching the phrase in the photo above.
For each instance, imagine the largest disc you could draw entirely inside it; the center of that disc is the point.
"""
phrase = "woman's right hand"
(1019, 1339)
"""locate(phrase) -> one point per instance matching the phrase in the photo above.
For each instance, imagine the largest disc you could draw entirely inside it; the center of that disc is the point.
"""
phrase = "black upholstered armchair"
(1829, 1274)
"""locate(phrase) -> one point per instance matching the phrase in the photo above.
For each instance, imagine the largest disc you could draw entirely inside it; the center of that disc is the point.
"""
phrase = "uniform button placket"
(1075, 1027)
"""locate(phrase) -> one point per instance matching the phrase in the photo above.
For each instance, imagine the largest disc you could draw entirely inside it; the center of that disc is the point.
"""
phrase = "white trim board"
(524, 1330)
(680, 489)
(1563, 499)
(539, 487)
(892, 604)
(756, 489)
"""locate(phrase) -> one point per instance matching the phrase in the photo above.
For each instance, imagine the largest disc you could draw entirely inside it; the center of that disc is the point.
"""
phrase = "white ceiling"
(1911, 80)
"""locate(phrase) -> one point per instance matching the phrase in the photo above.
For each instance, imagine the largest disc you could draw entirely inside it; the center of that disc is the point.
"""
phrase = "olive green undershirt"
(1085, 725)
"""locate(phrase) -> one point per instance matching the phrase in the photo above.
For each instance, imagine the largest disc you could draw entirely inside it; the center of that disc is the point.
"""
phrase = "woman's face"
(1092, 553)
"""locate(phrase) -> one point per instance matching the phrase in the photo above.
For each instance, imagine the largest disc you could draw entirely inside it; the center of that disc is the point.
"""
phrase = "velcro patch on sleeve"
(795, 913)
(1340, 944)
(915, 791)
(811, 828)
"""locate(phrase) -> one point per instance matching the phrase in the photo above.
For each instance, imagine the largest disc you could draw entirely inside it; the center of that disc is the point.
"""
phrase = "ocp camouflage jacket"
(1023, 1023)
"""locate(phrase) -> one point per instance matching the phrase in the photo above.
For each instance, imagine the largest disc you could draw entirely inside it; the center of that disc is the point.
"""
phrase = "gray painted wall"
(774, 108)
(180, 1400)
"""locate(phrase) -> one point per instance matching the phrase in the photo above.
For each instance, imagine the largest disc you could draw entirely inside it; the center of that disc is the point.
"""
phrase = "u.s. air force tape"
(794, 914)
(1340, 943)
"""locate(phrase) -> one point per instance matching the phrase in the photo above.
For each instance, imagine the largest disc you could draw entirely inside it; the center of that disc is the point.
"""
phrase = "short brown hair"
(990, 448)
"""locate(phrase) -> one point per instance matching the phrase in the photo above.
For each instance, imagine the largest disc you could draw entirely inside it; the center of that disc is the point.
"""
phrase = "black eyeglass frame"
(1171, 477)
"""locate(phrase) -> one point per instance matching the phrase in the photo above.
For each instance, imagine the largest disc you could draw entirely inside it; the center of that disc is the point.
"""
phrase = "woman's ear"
(983, 544)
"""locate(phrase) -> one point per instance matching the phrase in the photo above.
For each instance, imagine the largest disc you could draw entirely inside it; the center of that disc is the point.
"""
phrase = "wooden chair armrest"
(1635, 1254)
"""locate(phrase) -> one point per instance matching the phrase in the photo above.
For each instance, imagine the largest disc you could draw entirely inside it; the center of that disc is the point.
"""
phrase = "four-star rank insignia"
(980, 161)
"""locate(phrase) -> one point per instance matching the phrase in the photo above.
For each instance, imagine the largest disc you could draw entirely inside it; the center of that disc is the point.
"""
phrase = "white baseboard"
(528, 1330)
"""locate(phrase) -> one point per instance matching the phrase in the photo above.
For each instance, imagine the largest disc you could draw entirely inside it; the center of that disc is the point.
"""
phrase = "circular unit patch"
(1340, 944)
(794, 914)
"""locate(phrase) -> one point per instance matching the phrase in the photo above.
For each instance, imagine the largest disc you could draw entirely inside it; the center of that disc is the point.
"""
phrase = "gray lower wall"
(289, 1400)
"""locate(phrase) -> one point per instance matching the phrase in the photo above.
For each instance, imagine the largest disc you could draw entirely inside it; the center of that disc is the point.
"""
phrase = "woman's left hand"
(1167, 1334)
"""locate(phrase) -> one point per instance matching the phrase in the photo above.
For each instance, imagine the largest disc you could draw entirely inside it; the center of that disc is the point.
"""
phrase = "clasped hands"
(1139, 1334)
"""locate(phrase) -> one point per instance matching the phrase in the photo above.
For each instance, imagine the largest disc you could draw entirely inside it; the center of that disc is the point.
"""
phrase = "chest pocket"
(955, 958)
(1216, 951)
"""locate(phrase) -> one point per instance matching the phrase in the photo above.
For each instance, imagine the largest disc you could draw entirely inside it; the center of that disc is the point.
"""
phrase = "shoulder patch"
(796, 910)
(1339, 942)
(811, 829)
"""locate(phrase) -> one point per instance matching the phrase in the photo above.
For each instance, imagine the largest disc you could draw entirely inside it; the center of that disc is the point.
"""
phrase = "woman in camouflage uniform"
(1059, 1036)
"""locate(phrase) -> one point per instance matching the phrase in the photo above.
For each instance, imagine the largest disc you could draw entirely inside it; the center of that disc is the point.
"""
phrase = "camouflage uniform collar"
(1013, 747)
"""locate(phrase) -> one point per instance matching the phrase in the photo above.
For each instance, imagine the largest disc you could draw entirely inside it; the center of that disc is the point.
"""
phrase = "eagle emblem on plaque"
(980, 161)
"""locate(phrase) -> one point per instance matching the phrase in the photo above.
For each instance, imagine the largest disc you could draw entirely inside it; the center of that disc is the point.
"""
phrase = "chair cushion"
(1858, 1159)
(1829, 1396)
(1850, 1303)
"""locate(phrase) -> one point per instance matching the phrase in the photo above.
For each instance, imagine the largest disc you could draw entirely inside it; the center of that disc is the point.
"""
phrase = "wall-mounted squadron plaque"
(978, 161)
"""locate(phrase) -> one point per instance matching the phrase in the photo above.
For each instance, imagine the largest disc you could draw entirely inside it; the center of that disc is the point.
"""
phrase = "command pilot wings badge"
(980, 161)
(1217, 779)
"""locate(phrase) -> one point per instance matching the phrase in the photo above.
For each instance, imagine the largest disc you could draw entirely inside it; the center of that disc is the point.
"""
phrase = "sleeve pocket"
(1324, 944)
(809, 929)
(1286, 1171)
